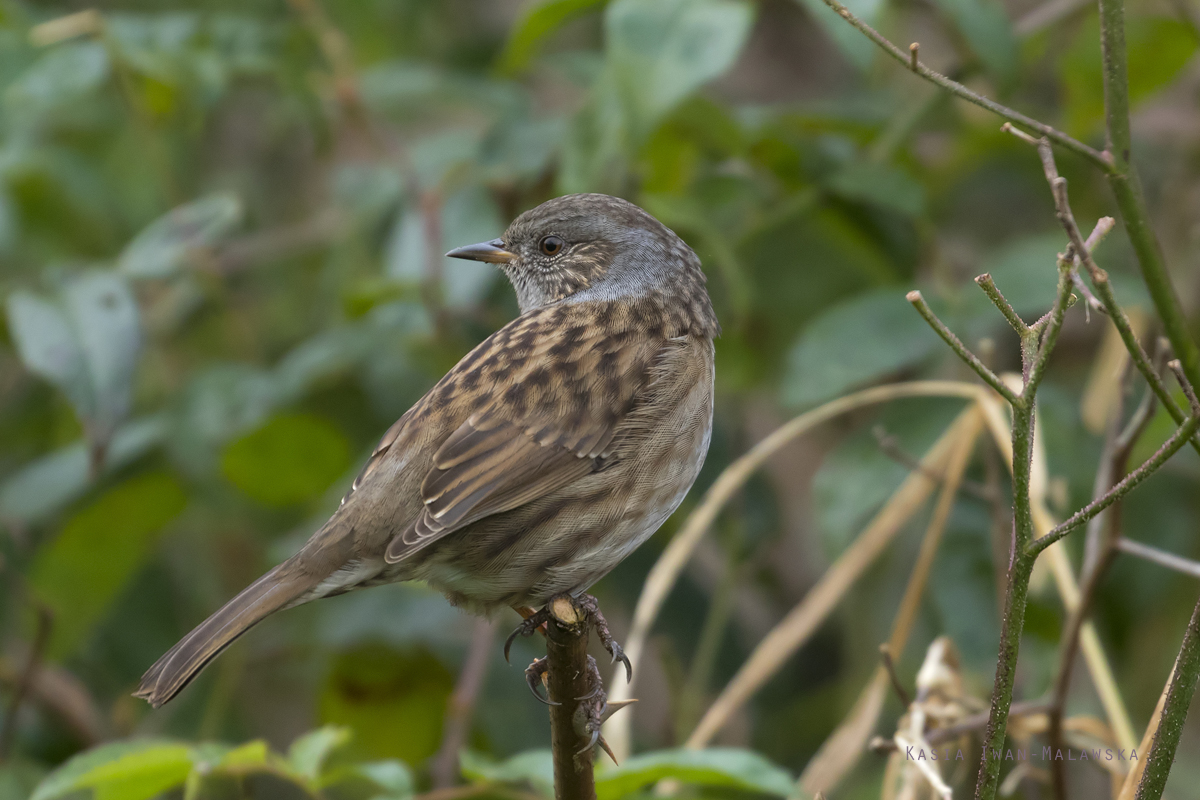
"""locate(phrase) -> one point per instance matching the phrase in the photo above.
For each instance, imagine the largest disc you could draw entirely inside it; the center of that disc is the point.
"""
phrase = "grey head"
(591, 247)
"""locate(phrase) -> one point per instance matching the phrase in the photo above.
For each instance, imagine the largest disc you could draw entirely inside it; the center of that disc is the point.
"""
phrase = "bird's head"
(588, 246)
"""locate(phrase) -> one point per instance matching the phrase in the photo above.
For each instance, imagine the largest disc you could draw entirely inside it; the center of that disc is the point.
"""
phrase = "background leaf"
(290, 459)
(98, 551)
(854, 343)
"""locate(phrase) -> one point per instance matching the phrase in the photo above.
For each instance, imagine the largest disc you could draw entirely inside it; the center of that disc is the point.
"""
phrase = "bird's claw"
(533, 678)
(527, 628)
(606, 638)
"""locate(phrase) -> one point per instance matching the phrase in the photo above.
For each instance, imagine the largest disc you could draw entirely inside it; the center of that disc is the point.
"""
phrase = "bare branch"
(1169, 448)
(989, 288)
(1161, 557)
(1102, 160)
(989, 377)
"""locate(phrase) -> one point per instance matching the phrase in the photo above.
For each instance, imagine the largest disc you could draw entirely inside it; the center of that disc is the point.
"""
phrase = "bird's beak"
(492, 252)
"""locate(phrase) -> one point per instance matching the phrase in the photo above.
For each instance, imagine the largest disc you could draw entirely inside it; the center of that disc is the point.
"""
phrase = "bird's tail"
(282, 586)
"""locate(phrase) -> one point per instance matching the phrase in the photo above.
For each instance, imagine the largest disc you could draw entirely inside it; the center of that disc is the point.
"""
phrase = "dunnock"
(543, 458)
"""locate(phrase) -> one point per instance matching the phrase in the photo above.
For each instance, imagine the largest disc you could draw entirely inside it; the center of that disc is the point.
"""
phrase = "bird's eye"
(551, 245)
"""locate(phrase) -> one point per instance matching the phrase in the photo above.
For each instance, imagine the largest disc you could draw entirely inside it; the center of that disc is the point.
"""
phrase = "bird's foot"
(527, 628)
(535, 677)
(600, 624)
(590, 714)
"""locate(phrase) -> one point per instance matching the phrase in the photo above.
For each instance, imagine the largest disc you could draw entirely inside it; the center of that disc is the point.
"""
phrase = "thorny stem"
(908, 59)
(1174, 713)
(566, 649)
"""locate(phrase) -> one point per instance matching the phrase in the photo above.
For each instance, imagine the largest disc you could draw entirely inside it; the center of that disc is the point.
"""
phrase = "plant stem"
(1171, 561)
(989, 377)
(1080, 517)
(1127, 189)
(566, 651)
(1020, 569)
(1179, 697)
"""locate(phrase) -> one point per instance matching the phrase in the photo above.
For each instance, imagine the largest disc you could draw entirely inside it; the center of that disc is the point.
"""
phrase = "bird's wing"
(556, 397)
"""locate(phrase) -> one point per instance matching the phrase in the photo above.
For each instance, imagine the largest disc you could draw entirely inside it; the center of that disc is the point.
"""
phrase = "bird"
(542, 459)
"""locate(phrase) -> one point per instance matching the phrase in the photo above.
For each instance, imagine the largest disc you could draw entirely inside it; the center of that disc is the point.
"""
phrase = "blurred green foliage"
(220, 237)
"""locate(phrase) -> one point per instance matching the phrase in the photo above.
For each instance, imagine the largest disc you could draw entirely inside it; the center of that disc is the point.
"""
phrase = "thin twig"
(890, 446)
(1114, 461)
(989, 377)
(989, 288)
(1101, 160)
(462, 703)
(1168, 449)
(1083, 252)
(971, 724)
(885, 655)
(806, 617)
(1171, 561)
(41, 638)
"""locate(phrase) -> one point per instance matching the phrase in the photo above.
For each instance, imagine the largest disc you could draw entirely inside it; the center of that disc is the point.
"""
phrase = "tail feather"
(278, 588)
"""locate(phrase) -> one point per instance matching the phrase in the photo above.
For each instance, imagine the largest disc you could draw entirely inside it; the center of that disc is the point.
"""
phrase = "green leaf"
(62, 75)
(250, 754)
(163, 247)
(538, 21)
(81, 572)
(308, 753)
(467, 216)
(43, 487)
(857, 476)
(661, 52)
(717, 767)
(290, 459)
(880, 184)
(858, 49)
(105, 315)
(136, 770)
(47, 346)
(986, 28)
(393, 777)
(535, 767)
(854, 343)
(86, 344)
(19, 778)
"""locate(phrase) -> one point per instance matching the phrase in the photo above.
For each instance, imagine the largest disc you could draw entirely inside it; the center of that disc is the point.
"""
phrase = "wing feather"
(538, 428)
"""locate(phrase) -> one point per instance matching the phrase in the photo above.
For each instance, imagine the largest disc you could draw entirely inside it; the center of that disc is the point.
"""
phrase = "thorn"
(914, 50)
(613, 708)
(604, 746)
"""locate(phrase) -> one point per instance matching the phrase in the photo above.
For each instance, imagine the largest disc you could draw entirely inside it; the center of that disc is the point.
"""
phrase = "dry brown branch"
(845, 746)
